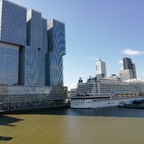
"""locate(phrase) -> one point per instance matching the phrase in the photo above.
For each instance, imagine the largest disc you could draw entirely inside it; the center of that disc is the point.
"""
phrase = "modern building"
(127, 63)
(129, 70)
(31, 48)
(100, 68)
(31, 59)
(134, 71)
(56, 51)
(126, 74)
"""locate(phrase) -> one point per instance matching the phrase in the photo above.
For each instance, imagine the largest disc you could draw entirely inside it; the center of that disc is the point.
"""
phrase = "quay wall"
(17, 98)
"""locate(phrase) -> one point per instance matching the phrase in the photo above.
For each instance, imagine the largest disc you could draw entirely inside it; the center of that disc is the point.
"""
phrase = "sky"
(106, 29)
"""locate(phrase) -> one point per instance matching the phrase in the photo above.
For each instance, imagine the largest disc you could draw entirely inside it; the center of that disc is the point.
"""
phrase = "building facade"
(127, 63)
(56, 51)
(31, 48)
(126, 74)
(100, 68)
(129, 70)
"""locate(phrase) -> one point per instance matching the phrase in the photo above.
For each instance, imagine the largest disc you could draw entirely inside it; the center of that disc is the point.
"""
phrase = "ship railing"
(126, 97)
(100, 94)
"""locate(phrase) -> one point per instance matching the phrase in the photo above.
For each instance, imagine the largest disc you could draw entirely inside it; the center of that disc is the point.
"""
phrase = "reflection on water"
(105, 112)
(8, 120)
(5, 138)
(75, 126)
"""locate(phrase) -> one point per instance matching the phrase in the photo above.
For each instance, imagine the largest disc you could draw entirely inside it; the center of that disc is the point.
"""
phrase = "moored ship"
(104, 92)
(137, 104)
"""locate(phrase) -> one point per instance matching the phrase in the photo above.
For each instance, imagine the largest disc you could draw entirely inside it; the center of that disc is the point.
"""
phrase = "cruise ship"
(104, 92)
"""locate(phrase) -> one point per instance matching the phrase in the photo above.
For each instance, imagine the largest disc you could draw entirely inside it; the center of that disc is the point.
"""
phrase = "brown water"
(73, 126)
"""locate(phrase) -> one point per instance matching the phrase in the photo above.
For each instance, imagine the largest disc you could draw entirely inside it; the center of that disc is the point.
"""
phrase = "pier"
(31, 102)
(20, 98)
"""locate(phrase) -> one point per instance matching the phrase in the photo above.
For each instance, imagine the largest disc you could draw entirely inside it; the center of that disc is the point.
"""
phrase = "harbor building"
(31, 54)
(129, 70)
(100, 68)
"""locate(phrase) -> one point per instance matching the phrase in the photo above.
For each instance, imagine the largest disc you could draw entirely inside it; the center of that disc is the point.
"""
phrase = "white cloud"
(132, 52)
(120, 62)
(94, 58)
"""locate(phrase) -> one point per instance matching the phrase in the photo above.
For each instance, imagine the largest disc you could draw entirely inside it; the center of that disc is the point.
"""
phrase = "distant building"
(127, 63)
(129, 70)
(71, 93)
(126, 74)
(100, 68)
(134, 71)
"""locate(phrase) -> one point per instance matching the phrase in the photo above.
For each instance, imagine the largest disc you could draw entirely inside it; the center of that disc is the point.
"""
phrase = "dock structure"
(16, 98)
(30, 102)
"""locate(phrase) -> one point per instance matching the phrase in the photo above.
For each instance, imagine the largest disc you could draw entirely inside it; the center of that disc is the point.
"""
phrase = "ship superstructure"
(103, 92)
(112, 84)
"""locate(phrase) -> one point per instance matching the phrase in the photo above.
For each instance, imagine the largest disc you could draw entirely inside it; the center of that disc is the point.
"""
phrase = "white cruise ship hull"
(91, 103)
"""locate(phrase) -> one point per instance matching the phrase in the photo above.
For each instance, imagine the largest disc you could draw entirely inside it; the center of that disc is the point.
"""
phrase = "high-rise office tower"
(134, 70)
(56, 49)
(12, 40)
(129, 70)
(101, 68)
(126, 74)
(31, 49)
(127, 63)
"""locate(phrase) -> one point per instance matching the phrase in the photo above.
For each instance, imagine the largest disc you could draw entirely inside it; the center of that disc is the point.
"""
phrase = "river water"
(111, 125)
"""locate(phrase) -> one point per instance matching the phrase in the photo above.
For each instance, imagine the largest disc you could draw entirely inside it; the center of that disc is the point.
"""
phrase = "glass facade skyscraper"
(9, 57)
(56, 49)
(12, 38)
(128, 64)
(31, 48)
(129, 70)
(101, 68)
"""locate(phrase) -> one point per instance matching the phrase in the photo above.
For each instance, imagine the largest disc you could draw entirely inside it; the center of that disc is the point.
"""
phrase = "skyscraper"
(126, 74)
(12, 40)
(31, 49)
(31, 59)
(56, 49)
(127, 63)
(129, 70)
(101, 68)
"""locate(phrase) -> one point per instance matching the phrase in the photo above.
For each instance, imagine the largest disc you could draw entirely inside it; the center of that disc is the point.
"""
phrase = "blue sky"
(106, 29)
